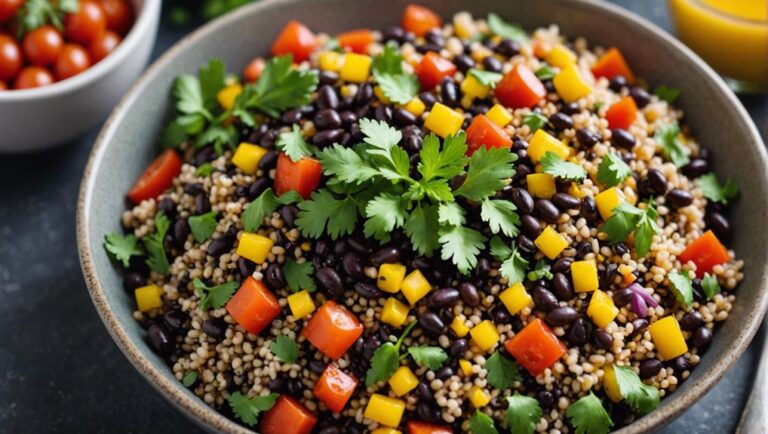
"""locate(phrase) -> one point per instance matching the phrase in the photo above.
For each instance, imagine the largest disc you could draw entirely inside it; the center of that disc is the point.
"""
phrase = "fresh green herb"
(671, 147)
(481, 423)
(293, 144)
(514, 267)
(588, 416)
(390, 61)
(451, 214)
(540, 271)
(422, 229)
(546, 72)
(668, 94)
(486, 173)
(248, 409)
(122, 248)
(499, 249)
(502, 372)
(203, 226)
(204, 170)
(461, 245)
(682, 288)
(597, 106)
(37, 13)
(264, 205)
(500, 216)
(299, 275)
(641, 397)
(216, 8)
(627, 219)
(431, 357)
(535, 121)
(505, 29)
(189, 378)
(714, 191)
(325, 213)
(398, 86)
(613, 170)
(554, 165)
(386, 359)
(153, 245)
(385, 213)
(485, 78)
(285, 349)
(523, 413)
(214, 297)
(710, 285)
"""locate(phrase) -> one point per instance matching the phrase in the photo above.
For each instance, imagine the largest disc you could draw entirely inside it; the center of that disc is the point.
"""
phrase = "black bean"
(353, 265)
(359, 244)
(202, 204)
(499, 403)
(427, 47)
(577, 334)
(215, 328)
(491, 63)
(458, 348)
(589, 210)
(412, 144)
(432, 324)
(545, 398)
(570, 108)
(562, 316)
(522, 200)
(680, 365)
(160, 339)
(444, 297)
(444, 373)
(508, 48)
(424, 391)
(385, 255)
(327, 137)
(268, 139)
(367, 290)
(501, 315)
(621, 249)
(562, 265)
(640, 95)
(403, 117)
(649, 368)
(565, 201)
(469, 294)
(371, 344)
(435, 36)
(622, 139)
(295, 388)
(587, 137)
(327, 98)
(291, 117)
(268, 161)
(701, 338)
(583, 249)
(428, 98)
(603, 339)
(657, 181)
(427, 410)
(525, 244)
(174, 320)
(677, 198)
(383, 113)
(617, 83)
(463, 62)
(194, 189)
(133, 280)
(207, 154)
(327, 119)
(638, 327)
(549, 86)
(546, 210)
(245, 267)
(223, 244)
(561, 121)
(449, 92)
(289, 213)
(530, 226)
(328, 77)
(718, 223)
(329, 279)
(393, 33)
(561, 287)
(544, 299)
(167, 207)
(608, 274)
(691, 321)
(696, 168)
(274, 276)
(258, 187)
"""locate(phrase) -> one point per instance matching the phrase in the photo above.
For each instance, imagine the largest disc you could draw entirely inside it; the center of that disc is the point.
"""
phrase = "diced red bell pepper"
(302, 176)
(157, 178)
(419, 20)
(536, 348)
(295, 39)
(356, 40)
(612, 64)
(622, 114)
(483, 132)
(520, 88)
(433, 69)
(333, 330)
(418, 427)
(334, 388)
(706, 252)
(287, 416)
(253, 70)
(253, 306)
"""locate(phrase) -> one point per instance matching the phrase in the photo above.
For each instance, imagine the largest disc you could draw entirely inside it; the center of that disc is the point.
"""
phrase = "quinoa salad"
(439, 227)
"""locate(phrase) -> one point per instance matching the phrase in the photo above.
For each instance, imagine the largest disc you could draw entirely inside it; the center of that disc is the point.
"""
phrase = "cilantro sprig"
(431, 357)
(285, 349)
(293, 144)
(153, 245)
(248, 409)
(588, 416)
(214, 297)
(386, 359)
(554, 165)
(485, 78)
(397, 85)
(264, 205)
(668, 94)
(613, 170)
(506, 29)
(123, 248)
(641, 397)
(513, 266)
(682, 288)
(535, 121)
(203, 225)
(523, 413)
(710, 285)
(714, 191)
(671, 148)
(481, 423)
(627, 219)
(502, 372)
(299, 275)
(37, 13)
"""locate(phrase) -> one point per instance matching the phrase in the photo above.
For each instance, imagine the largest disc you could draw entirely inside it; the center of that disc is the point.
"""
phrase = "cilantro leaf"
(502, 372)
(280, 87)
(385, 213)
(621, 223)
(264, 205)
(641, 397)
(172, 135)
(451, 214)
(682, 288)
(714, 191)
(514, 267)
(523, 413)
(500, 216)
(588, 416)
(205, 169)
(212, 78)
(324, 212)
(671, 147)
(298, 276)
(540, 271)
(390, 61)
(285, 349)
(613, 170)
(545, 73)
(386, 359)
(398, 88)
(293, 144)
(431, 357)
(189, 378)
(442, 163)
(499, 249)
(487, 171)
(122, 248)
(554, 165)
(153, 245)
(535, 121)
(645, 229)
(248, 409)
(189, 97)
(710, 285)
(214, 297)
(422, 227)
(481, 423)
(668, 94)
(505, 29)
(203, 225)
(461, 245)
(346, 165)
(485, 78)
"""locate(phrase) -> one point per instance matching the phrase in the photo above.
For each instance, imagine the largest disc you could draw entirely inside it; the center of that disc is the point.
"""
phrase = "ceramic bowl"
(35, 119)
(716, 117)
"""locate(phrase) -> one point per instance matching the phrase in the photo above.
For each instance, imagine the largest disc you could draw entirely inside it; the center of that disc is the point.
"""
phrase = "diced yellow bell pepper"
(466, 367)
(380, 95)
(473, 88)
(415, 106)
(228, 95)
(601, 309)
(330, 61)
(385, 431)
(247, 157)
(464, 25)
(254, 247)
(415, 286)
(385, 410)
(459, 328)
(356, 68)
(570, 84)
(479, 397)
(301, 304)
(403, 381)
(499, 115)
(443, 120)
(550, 242)
(485, 335)
(611, 385)
(542, 142)
(561, 56)
(394, 312)
(148, 297)
(575, 191)
(607, 201)
(584, 274)
(541, 185)
(466, 102)
(515, 298)
(668, 338)
(390, 277)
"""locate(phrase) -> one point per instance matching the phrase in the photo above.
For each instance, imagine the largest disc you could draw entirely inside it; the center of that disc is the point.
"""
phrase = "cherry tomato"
(253, 70)
(3, 86)
(72, 61)
(157, 177)
(8, 9)
(297, 39)
(419, 20)
(43, 45)
(33, 76)
(10, 58)
(103, 45)
(86, 24)
(119, 15)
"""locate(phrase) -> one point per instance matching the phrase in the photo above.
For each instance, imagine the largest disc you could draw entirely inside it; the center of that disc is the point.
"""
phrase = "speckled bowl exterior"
(716, 117)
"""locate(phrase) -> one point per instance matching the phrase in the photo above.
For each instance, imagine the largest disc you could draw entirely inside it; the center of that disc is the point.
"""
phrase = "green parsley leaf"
(710, 285)
(172, 135)
(588, 416)
(642, 398)
(442, 163)
(485, 78)
(431, 357)
(390, 61)
(450, 214)
(535, 121)
(668, 94)
(399, 88)
(203, 225)
(481, 423)
(546, 72)
(393, 162)
(214, 297)
(557, 167)
(499, 249)
(265, 205)
(714, 191)
(422, 227)
(122, 248)
(285, 349)
(324, 212)
(212, 78)
(487, 171)
(505, 29)
(621, 223)
(346, 165)
(461, 245)
(613, 170)
(385, 213)
(523, 414)
(540, 271)
(682, 288)
(514, 267)
(279, 88)
(153, 245)
(500, 216)
(293, 144)
(248, 409)
(299, 275)
(645, 229)
(671, 148)
(502, 372)
(205, 169)
(386, 359)
(189, 378)
(219, 136)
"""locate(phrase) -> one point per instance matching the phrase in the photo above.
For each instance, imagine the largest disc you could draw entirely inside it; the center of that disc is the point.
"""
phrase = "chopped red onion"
(649, 300)
(638, 305)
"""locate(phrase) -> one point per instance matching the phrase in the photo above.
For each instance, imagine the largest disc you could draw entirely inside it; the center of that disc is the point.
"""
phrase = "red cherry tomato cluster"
(48, 54)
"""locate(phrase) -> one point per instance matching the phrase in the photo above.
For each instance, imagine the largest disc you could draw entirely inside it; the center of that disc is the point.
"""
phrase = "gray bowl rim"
(209, 418)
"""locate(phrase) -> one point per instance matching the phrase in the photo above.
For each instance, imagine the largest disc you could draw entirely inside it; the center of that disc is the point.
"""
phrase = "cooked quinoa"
(213, 354)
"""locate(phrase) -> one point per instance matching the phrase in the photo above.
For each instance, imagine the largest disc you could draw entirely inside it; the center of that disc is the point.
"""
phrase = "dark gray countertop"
(60, 372)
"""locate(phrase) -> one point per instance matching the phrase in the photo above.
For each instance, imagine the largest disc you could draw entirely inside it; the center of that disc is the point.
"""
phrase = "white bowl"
(43, 117)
